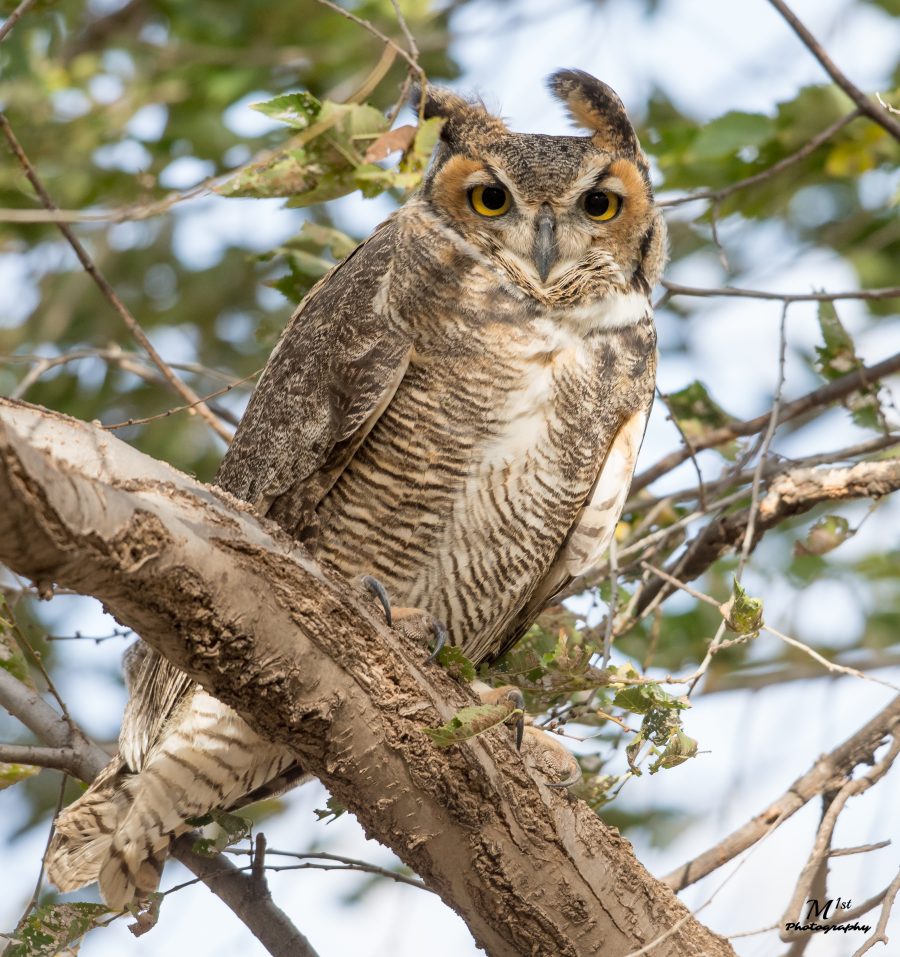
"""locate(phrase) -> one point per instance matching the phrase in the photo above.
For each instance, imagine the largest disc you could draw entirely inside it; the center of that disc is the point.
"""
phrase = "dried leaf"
(679, 748)
(400, 139)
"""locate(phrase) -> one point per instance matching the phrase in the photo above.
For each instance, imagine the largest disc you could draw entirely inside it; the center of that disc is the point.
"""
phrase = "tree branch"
(864, 377)
(241, 608)
(834, 766)
(881, 117)
(790, 493)
(59, 759)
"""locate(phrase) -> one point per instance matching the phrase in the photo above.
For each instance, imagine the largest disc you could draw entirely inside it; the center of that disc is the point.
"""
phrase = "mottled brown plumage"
(455, 409)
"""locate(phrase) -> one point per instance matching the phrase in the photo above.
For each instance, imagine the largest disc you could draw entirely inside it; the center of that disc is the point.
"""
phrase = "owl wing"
(332, 374)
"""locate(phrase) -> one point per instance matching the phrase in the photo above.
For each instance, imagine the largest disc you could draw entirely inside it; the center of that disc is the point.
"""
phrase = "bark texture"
(295, 650)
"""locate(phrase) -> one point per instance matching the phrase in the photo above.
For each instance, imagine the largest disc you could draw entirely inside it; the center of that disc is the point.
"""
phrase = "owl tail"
(119, 831)
(84, 832)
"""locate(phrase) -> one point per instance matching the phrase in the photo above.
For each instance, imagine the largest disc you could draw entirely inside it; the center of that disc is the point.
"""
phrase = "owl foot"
(513, 698)
(413, 622)
(552, 758)
(422, 627)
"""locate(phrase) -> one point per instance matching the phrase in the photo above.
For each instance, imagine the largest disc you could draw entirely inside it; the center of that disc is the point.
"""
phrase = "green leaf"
(427, 136)
(838, 357)
(53, 927)
(11, 657)
(469, 722)
(730, 133)
(824, 536)
(743, 614)
(333, 809)
(641, 699)
(457, 665)
(297, 110)
(323, 161)
(697, 413)
(11, 774)
(231, 828)
(679, 748)
(315, 236)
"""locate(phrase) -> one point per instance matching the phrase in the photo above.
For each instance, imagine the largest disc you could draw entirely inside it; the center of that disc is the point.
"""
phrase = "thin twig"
(107, 290)
(824, 395)
(764, 451)
(371, 28)
(32, 903)
(880, 935)
(14, 18)
(333, 862)
(808, 148)
(677, 289)
(181, 408)
(884, 120)
(404, 26)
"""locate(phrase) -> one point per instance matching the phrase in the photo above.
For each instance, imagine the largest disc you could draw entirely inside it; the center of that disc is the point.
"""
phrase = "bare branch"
(880, 936)
(102, 283)
(733, 292)
(834, 766)
(14, 18)
(791, 493)
(824, 395)
(717, 195)
(883, 119)
(819, 854)
(60, 759)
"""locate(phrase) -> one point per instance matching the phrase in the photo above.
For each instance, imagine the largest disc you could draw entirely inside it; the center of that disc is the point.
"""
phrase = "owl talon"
(512, 695)
(441, 637)
(377, 590)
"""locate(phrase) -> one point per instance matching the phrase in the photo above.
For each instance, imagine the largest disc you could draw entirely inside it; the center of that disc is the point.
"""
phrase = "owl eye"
(601, 205)
(489, 200)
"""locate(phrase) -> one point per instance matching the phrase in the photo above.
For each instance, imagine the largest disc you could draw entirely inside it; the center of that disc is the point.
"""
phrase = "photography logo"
(827, 918)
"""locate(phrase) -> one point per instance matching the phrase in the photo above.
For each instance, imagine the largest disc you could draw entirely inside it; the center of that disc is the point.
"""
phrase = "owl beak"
(545, 242)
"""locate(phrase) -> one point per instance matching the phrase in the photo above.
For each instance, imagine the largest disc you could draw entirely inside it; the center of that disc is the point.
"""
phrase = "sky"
(710, 57)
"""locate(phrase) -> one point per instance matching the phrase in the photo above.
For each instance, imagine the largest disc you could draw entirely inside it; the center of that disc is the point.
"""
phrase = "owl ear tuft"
(464, 121)
(596, 107)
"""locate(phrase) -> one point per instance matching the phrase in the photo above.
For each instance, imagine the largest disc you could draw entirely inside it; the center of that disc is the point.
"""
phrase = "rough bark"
(294, 649)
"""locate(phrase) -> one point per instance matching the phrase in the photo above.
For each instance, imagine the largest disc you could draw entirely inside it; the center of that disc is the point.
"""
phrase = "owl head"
(568, 219)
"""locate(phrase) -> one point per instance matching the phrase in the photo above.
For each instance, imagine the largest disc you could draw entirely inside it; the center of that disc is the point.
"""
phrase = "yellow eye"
(601, 205)
(489, 200)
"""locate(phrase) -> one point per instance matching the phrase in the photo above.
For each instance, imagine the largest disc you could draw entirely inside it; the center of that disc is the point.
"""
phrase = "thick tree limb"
(243, 610)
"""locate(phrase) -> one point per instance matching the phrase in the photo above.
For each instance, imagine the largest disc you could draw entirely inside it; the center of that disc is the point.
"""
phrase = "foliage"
(149, 100)
(53, 927)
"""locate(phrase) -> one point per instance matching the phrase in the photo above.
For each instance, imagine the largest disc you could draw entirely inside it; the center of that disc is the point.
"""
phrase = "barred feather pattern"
(439, 413)
(120, 830)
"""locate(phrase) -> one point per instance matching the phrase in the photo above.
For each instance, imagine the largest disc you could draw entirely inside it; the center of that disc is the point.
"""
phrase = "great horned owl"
(454, 409)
